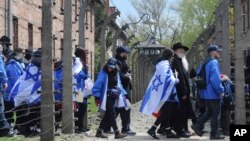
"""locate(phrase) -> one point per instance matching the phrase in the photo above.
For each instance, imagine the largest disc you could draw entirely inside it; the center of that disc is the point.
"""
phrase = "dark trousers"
(202, 107)
(9, 113)
(125, 117)
(182, 114)
(124, 114)
(166, 113)
(58, 109)
(82, 108)
(35, 115)
(225, 119)
(213, 110)
(27, 116)
(109, 119)
(22, 116)
(4, 126)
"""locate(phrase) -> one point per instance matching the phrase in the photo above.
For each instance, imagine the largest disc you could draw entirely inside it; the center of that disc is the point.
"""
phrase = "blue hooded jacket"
(14, 70)
(58, 86)
(3, 75)
(100, 87)
(214, 85)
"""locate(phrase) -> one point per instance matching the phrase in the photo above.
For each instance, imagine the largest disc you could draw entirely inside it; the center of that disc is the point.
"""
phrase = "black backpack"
(201, 77)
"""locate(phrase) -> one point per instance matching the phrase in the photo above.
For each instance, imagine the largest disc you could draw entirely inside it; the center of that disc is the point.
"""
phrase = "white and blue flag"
(27, 88)
(160, 88)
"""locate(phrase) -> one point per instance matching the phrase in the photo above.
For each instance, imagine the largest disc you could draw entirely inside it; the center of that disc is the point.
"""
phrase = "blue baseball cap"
(213, 48)
(121, 49)
(111, 63)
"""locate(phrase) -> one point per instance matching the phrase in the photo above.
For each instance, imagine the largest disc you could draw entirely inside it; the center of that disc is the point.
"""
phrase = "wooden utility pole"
(10, 23)
(47, 96)
(67, 115)
(82, 42)
(222, 35)
(240, 44)
(226, 56)
(81, 23)
(117, 34)
(103, 35)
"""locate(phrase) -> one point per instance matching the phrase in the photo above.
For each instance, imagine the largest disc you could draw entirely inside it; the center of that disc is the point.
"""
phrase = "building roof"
(150, 42)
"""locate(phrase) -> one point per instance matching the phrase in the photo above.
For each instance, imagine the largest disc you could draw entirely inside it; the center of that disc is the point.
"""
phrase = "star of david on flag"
(157, 82)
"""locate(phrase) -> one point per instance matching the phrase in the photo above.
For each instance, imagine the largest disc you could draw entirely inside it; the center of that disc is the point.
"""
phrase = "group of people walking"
(173, 95)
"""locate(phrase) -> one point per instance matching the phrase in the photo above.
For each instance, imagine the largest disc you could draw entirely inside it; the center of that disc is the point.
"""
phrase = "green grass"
(92, 107)
(9, 139)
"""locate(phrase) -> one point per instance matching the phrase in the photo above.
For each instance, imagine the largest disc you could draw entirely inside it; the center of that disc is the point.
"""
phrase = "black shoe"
(216, 136)
(129, 133)
(183, 134)
(9, 134)
(162, 131)
(99, 134)
(170, 134)
(83, 130)
(152, 134)
(119, 135)
(196, 130)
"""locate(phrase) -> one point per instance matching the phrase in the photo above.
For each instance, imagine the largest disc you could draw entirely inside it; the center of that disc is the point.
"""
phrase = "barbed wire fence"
(218, 33)
(44, 112)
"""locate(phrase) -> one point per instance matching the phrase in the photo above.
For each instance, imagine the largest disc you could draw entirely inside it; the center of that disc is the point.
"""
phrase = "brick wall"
(29, 12)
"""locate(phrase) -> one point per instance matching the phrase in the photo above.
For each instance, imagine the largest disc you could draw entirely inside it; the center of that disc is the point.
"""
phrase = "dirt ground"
(140, 124)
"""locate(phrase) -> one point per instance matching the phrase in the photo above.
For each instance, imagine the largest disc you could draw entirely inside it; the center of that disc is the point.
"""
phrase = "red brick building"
(26, 19)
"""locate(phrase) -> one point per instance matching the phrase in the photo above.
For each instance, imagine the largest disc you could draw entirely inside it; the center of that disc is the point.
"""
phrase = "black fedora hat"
(5, 40)
(179, 45)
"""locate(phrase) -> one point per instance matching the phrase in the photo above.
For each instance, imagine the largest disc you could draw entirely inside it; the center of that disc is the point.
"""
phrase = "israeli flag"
(27, 88)
(159, 89)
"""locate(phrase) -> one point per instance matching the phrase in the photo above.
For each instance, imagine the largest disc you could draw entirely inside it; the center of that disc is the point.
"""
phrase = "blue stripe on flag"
(146, 98)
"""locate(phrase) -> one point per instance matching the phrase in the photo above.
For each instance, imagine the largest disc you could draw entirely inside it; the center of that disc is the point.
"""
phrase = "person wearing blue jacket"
(4, 125)
(109, 93)
(26, 93)
(14, 70)
(79, 78)
(212, 94)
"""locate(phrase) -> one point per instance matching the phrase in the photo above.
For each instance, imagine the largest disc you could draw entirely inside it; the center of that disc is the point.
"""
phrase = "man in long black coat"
(185, 111)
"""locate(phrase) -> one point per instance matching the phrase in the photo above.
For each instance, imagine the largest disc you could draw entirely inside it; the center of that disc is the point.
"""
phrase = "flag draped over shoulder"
(159, 89)
(27, 88)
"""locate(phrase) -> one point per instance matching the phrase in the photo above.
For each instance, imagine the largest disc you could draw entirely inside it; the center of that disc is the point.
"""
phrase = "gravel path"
(140, 124)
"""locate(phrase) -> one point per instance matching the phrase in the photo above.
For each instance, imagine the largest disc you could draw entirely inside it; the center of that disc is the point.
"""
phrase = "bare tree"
(157, 9)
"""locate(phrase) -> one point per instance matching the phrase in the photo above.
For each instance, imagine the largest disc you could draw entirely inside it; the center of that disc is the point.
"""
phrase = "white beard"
(185, 63)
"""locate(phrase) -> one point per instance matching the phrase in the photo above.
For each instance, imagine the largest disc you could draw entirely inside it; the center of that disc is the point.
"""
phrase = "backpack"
(228, 99)
(201, 76)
